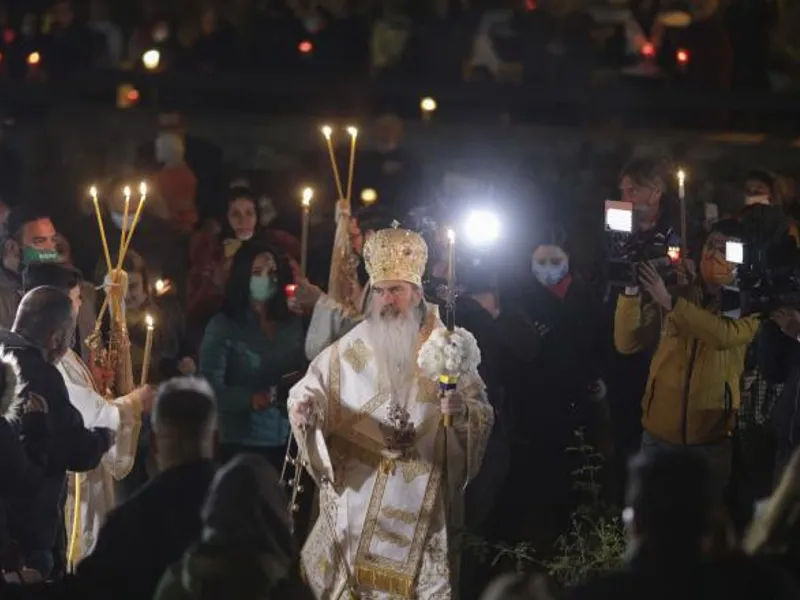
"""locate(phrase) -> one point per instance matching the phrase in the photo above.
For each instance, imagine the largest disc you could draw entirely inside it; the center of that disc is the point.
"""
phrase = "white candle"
(148, 349)
(308, 194)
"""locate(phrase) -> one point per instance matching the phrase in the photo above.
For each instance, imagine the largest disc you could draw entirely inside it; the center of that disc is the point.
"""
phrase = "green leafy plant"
(595, 541)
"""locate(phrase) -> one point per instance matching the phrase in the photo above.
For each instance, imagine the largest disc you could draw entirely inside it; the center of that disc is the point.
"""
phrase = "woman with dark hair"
(248, 348)
(246, 550)
(212, 254)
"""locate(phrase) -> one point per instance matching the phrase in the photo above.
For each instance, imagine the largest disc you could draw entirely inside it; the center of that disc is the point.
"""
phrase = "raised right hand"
(302, 414)
(145, 396)
(306, 294)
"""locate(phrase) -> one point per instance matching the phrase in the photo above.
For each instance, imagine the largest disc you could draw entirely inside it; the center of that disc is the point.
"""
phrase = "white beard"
(394, 341)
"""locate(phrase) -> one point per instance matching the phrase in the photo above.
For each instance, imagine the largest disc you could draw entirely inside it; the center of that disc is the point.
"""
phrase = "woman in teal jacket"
(247, 351)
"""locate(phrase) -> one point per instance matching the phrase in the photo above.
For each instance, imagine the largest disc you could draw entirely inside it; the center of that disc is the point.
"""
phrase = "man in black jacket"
(41, 335)
(151, 530)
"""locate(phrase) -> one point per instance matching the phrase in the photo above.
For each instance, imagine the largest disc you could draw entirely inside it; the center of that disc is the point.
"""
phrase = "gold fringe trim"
(385, 580)
(74, 552)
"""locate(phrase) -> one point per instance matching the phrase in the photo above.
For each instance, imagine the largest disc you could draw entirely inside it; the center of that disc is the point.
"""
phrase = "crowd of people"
(724, 44)
(108, 488)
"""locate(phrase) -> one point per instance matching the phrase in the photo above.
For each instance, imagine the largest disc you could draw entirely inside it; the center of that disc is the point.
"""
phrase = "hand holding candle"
(148, 350)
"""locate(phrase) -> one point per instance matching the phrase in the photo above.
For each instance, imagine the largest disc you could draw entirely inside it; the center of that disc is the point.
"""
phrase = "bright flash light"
(427, 105)
(34, 58)
(369, 196)
(352, 131)
(619, 216)
(308, 194)
(734, 252)
(151, 59)
(327, 131)
(482, 228)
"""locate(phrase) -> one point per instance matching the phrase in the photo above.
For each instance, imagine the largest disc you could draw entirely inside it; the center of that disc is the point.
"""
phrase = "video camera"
(766, 255)
(627, 248)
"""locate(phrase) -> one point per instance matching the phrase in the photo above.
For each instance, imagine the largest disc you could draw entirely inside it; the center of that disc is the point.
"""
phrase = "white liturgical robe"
(387, 522)
(96, 496)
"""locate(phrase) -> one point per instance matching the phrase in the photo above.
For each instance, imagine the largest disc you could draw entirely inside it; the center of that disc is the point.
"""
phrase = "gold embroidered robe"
(122, 415)
(383, 522)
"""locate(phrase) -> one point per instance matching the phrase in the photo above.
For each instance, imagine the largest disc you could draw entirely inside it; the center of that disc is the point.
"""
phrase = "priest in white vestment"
(122, 415)
(371, 434)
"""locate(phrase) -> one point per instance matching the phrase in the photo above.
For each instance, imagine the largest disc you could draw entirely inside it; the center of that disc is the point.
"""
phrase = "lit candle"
(684, 226)
(353, 135)
(148, 349)
(427, 106)
(126, 211)
(95, 201)
(308, 194)
(451, 258)
(327, 132)
(160, 286)
(136, 217)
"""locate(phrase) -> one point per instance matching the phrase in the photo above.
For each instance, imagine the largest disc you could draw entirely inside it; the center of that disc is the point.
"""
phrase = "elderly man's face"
(392, 299)
(39, 234)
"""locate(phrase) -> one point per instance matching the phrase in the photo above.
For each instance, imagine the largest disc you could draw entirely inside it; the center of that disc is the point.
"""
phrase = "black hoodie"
(33, 519)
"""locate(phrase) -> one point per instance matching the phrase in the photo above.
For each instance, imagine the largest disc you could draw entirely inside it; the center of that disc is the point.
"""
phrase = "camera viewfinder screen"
(619, 216)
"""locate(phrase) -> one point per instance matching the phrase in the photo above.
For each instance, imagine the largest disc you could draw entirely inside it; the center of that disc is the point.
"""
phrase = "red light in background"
(648, 50)
(682, 56)
(1, 57)
(530, 5)
(290, 290)
(133, 95)
(34, 58)
(674, 253)
(9, 36)
(305, 47)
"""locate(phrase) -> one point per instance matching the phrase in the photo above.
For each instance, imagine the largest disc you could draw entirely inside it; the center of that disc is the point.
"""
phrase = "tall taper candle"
(148, 349)
(95, 201)
(308, 194)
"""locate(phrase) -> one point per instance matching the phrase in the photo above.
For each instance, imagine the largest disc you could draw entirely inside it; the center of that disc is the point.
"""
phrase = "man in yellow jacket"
(692, 392)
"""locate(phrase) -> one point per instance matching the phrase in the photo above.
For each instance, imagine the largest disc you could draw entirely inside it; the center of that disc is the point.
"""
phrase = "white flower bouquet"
(449, 354)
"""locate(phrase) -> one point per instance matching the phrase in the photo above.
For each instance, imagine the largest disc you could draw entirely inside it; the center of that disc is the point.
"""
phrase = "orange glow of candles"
(148, 349)
(353, 132)
(327, 133)
(96, 202)
(308, 195)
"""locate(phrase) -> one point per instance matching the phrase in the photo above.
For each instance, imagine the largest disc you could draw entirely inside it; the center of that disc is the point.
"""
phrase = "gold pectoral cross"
(399, 432)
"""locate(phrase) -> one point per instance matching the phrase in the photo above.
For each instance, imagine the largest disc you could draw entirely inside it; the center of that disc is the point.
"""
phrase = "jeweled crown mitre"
(395, 255)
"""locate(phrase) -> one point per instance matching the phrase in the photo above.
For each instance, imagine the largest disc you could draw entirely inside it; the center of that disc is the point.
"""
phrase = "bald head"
(46, 317)
(184, 421)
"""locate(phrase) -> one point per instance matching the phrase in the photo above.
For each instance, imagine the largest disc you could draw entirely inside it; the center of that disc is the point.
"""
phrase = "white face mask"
(762, 199)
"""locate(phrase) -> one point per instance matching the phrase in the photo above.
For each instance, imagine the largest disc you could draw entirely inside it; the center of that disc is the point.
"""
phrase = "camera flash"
(619, 216)
(734, 252)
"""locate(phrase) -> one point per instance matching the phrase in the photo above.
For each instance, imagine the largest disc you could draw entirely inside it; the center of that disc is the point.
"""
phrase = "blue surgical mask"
(262, 287)
(550, 274)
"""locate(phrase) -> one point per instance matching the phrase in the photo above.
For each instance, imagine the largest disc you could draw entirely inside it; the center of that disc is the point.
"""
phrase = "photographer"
(692, 390)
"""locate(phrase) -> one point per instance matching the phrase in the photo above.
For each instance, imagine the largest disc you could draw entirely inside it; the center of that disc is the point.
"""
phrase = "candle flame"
(149, 320)
(681, 175)
(93, 192)
(308, 194)
(451, 236)
(127, 191)
(353, 131)
(159, 285)
(143, 188)
(427, 104)
(327, 131)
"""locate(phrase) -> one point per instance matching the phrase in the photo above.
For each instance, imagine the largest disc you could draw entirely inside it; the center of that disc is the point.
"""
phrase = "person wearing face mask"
(693, 388)
(552, 383)
(41, 336)
(248, 350)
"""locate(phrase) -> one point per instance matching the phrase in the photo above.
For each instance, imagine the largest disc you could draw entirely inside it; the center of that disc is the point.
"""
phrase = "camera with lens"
(627, 248)
(766, 255)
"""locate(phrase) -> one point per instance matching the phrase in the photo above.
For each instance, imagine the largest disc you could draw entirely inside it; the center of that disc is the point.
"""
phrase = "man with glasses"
(693, 388)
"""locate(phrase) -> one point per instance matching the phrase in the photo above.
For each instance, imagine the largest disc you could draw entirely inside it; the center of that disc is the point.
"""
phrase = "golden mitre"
(395, 255)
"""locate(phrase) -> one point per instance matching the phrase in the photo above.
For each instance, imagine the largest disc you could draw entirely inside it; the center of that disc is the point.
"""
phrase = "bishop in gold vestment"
(370, 429)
